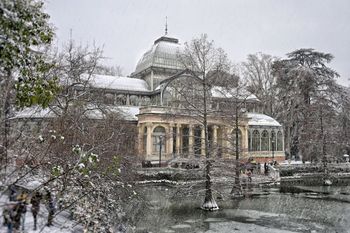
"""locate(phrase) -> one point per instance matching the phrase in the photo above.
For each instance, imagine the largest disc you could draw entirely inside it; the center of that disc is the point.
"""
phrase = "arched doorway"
(158, 138)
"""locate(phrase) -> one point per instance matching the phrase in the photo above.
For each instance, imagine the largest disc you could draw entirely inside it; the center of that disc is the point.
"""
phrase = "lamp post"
(160, 150)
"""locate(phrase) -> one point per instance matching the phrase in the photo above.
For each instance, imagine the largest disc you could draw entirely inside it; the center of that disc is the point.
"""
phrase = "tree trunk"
(6, 127)
(209, 201)
(237, 188)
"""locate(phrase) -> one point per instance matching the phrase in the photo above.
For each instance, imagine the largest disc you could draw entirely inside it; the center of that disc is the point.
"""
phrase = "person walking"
(35, 201)
(51, 208)
(8, 214)
(249, 174)
(23, 199)
(17, 214)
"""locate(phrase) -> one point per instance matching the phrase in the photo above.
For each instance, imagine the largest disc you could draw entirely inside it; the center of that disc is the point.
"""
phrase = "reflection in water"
(306, 209)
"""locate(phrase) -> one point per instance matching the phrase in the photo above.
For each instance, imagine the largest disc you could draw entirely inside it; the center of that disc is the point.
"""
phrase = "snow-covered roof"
(117, 83)
(93, 112)
(34, 112)
(259, 119)
(223, 92)
(129, 112)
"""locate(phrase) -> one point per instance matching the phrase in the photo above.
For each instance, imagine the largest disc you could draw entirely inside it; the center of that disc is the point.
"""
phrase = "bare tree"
(257, 71)
(202, 64)
(109, 70)
(234, 98)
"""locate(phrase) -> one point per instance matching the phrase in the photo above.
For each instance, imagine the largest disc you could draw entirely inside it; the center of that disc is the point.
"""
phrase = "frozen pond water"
(302, 209)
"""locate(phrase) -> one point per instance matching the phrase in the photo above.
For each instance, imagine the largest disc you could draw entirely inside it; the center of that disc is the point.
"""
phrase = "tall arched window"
(134, 100)
(273, 141)
(265, 141)
(279, 141)
(144, 141)
(121, 99)
(158, 137)
(234, 140)
(197, 140)
(256, 141)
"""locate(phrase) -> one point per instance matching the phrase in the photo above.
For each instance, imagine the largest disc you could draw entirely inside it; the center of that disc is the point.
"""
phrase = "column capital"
(215, 127)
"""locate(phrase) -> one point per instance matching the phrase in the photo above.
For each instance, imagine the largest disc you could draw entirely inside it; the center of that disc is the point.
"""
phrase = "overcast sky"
(128, 28)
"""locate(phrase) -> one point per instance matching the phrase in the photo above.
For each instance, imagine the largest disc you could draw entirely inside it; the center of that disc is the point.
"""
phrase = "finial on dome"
(166, 25)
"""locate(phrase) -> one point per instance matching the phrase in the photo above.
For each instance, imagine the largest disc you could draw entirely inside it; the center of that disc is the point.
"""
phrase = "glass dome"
(163, 54)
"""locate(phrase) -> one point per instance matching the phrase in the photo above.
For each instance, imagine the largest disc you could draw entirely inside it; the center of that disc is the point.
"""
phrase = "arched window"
(279, 141)
(109, 98)
(273, 141)
(256, 141)
(144, 141)
(158, 138)
(145, 101)
(185, 135)
(265, 141)
(234, 140)
(197, 141)
(121, 99)
(134, 100)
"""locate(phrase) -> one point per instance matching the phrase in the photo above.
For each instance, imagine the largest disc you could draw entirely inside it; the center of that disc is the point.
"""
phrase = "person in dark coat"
(8, 214)
(51, 208)
(18, 211)
(23, 199)
(35, 201)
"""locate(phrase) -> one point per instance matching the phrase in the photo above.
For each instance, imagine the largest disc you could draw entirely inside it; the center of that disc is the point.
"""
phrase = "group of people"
(15, 211)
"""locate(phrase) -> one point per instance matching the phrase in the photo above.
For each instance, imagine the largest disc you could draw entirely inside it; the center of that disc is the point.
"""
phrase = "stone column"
(190, 140)
(128, 99)
(203, 142)
(140, 145)
(270, 146)
(149, 141)
(215, 135)
(244, 142)
(170, 140)
(227, 145)
(178, 138)
(215, 139)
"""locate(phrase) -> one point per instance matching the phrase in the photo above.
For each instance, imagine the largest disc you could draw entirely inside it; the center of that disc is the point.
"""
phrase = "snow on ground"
(61, 224)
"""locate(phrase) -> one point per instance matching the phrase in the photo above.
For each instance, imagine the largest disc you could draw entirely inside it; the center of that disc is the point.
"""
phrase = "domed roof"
(163, 54)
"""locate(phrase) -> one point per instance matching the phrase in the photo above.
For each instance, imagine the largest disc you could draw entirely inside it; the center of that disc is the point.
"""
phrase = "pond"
(300, 209)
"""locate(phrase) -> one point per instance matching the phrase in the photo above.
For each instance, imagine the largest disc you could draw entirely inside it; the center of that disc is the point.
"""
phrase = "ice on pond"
(214, 220)
(167, 231)
(181, 226)
(192, 220)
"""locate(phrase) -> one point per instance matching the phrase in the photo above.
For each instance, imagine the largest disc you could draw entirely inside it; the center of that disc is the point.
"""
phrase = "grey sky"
(128, 28)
